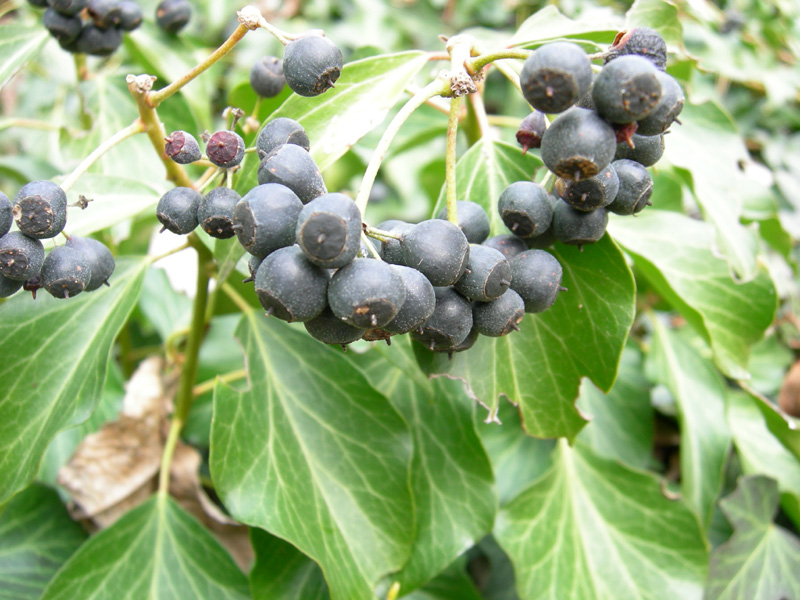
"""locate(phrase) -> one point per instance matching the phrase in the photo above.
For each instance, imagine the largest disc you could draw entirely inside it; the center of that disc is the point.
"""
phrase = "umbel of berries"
(311, 65)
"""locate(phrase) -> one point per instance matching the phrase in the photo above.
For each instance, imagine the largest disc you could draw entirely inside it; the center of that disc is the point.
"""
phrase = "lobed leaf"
(55, 356)
(156, 550)
(315, 455)
(592, 528)
(674, 253)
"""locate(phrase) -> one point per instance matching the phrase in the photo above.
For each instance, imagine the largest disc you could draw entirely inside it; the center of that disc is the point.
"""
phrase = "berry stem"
(476, 63)
(153, 99)
(380, 234)
(123, 134)
(236, 298)
(185, 395)
(201, 187)
(81, 70)
(139, 87)
(437, 87)
(29, 124)
(450, 158)
(207, 386)
(370, 246)
(479, 109)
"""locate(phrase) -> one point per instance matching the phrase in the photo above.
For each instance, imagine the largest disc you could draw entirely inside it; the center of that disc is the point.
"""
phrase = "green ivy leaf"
(550, 24)
(622, 420)
(484, 171)
(282, 572)
(760, 453)
(760, 560)
(674, 253)
(19, 44)
(451, 478)
(37, 536)
(592, 528)
(154, 551)
(363, 96)
(55, 355)
(699, 393)
(659, 15)
(716, 179)
(114, 199)
(320, 464)
(540, 367)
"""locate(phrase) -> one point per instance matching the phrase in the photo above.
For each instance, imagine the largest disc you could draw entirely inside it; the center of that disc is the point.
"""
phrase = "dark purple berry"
(65, 272)
(646, 150)
(525, 209)
(130, 16)
(438, 249)
(266, 77)
(265, 219)
(293, 167)
(330, 329)
(578, 144)
(215, 213)
(291, 288)
(6, 214)
(366, 293)
(508, 245)
(40, 209)
(98, 42)
(225, 149)
(472, 220)
(590, 194)
(281, 131)
(641, 41)
(499, 317)
(450, 323)
(182, 147)
(68, 8)
(626, 90)
(536, 277)
(487, 276)
(65, 29)
(311, 65)
(635, 188)
(105, 13)
(419, 304)
(8, 286)
(173, 15)
(555, 76)
(578, 228)
(667, 110)
(21, 257)
(329, 230)
(531, 130)
(98, 256)
(177, 210)
(391, 250)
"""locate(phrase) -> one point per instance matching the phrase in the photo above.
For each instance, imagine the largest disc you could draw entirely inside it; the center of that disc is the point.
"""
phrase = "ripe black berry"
(667, 110)
(641, 41)
(266, 77)
(105, 13)
(626, 90)
(68, 8)
(536, 277)
(531, 129)
(366, 293)
(65, 272)
(64, 28)
(576, 227)
(472, 220)
(391, 250)
(555, 76)
(40, 209)
(182, 147)
(419, 304)
(173, 15)
(225, 149)
(525, 208)
(311, 65)
(130, 15)
(6, 215)
(98, 42)
(266, 218)
(635, 188)
(578, 144)
(21, 257)
(38, 3)
(499, 317)
(508, 245)
(487, 275)
(215, 213)
(330, 329)
(281, 131)
(8, 286)
(177, 210)
(450, 323)
(438, 249)
(647, 150)
(329, 230)
(293, 167)
(590, 194)
(99, 258)
(290, 287)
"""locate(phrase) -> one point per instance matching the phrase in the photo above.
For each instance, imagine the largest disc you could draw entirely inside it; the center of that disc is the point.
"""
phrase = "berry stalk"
(437, 87)
(450, 158)
(476, 63)
(123, 134)
(185, 395)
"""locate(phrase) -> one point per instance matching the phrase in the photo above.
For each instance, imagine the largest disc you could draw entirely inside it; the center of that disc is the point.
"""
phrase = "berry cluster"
(40, 212)
(611, 128)
(309, 264)
(89, 26)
